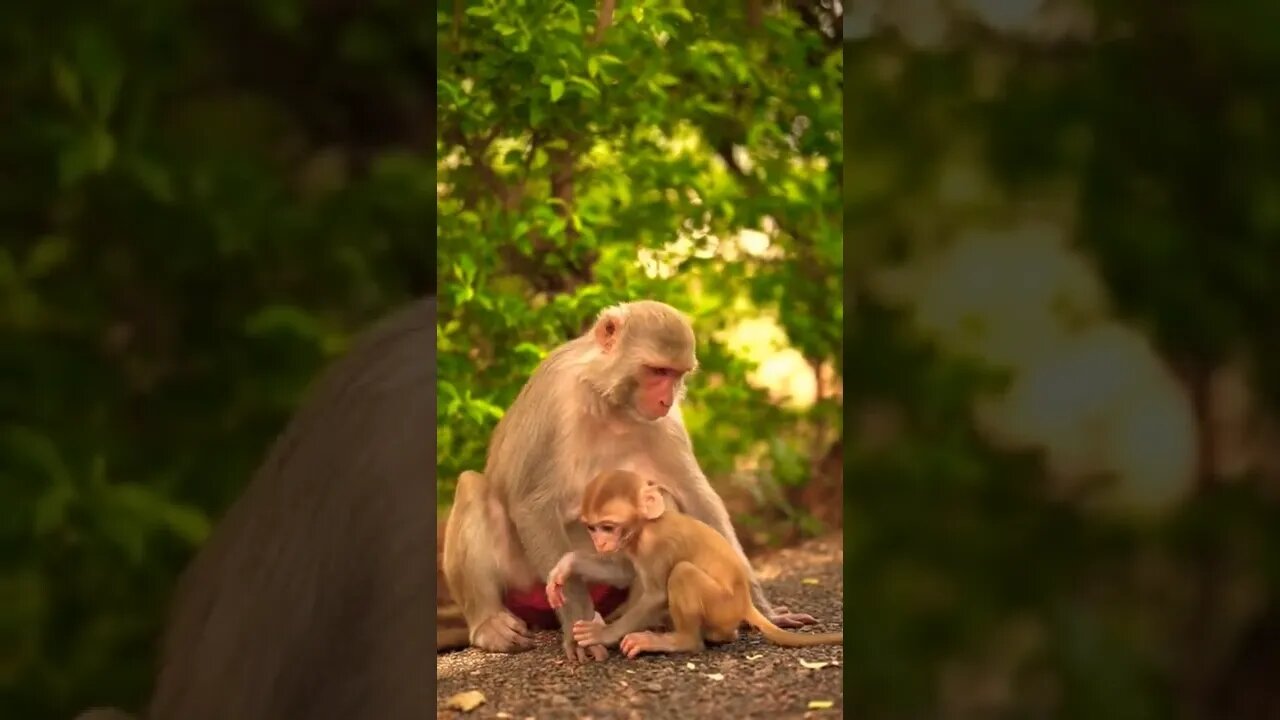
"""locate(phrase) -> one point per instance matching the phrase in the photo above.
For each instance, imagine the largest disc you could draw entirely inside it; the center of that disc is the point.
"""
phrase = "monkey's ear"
(651, 503)
(608, 327)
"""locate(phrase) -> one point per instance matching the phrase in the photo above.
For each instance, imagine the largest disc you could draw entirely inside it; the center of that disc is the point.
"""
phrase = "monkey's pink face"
(657, 392)
(606, 536)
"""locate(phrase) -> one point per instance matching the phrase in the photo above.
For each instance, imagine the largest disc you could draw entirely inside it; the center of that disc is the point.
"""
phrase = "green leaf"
(48, 254)
(36, 450)
(87, 154)
(153, 177)
(530, 350)
(187, 523)
(465, 268)
(482, 410)
(66, 82)
(589, 89)
(284, 320)
(557, 89)
(99, 62)
(51, 509)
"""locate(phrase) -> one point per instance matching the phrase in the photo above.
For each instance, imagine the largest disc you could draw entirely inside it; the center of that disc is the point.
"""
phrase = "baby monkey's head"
(615, 506)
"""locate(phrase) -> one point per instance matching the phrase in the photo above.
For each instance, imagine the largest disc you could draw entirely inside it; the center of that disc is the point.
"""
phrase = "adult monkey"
(311, 598)
(606, 400)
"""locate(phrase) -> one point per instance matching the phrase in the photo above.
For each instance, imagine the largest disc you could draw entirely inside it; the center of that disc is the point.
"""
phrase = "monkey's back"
(699, 544)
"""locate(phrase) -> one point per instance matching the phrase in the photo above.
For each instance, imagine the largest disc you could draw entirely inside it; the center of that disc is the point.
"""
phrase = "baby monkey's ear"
(674, 502)
(652, 504)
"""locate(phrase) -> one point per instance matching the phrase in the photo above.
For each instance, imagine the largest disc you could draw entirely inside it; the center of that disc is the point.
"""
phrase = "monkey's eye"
(661, 371)
(606, 528)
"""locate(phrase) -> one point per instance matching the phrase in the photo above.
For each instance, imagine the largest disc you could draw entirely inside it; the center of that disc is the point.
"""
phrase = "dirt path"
(746, 678)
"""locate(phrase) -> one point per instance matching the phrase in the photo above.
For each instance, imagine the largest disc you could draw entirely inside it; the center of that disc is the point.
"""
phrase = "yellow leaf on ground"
(810, 581)
(466, 701)
(814, 665)
(715, 676)
(820, 704)
(691, 666)
(757, 656)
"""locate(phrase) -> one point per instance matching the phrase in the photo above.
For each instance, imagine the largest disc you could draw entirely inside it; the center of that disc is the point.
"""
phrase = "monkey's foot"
(588, 632)
(502, 632)
(637, 642)
(585, 643)
(670, 642)
(580, 654)
(784, 618)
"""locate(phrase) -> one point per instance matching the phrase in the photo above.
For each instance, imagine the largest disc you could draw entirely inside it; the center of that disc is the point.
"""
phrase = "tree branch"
(604, 19)
(508, 195)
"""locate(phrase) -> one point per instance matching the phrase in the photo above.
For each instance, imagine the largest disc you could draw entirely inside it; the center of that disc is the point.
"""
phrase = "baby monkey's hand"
(556, 580)
(589, 632)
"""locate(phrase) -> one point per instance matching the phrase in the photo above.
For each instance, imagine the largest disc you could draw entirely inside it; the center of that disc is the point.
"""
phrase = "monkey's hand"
(579, 643)
(556, 579)
(502, 632)
(589, 632)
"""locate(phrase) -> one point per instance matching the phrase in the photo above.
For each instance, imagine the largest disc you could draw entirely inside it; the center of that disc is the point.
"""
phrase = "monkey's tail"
(778, 636)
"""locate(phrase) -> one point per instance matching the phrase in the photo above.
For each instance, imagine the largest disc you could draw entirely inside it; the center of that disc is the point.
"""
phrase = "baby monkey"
(682, 565)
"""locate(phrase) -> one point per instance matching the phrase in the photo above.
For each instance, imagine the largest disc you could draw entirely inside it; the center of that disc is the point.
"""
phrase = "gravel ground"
(746, 678)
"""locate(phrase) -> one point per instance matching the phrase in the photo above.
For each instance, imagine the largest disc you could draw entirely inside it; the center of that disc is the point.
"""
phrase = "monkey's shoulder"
(689, 538)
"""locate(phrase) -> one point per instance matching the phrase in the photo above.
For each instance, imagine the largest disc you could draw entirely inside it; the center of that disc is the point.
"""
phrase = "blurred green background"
(200, 204)
(1063, 221)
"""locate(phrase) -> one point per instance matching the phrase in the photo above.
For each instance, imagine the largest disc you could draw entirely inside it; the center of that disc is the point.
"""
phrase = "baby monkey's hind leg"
(723, 617)
(718, 636)
(690, 592)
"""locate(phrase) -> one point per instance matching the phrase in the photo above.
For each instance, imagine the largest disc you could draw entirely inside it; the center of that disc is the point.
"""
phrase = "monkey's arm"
(543, 537)
(533, 479)
(618, 573)
(521, 463)
(587, 567)
(643, 610)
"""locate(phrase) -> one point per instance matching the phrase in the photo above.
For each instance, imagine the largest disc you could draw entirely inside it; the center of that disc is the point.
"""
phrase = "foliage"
(582, 167)
(188, 233)
(1143, 134)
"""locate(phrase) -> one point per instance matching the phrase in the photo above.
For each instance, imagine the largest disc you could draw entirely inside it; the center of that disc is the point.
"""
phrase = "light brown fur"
(680, 562)
(585, 409)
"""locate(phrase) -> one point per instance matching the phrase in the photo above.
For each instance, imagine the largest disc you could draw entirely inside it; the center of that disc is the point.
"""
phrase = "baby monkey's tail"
(778, 636)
